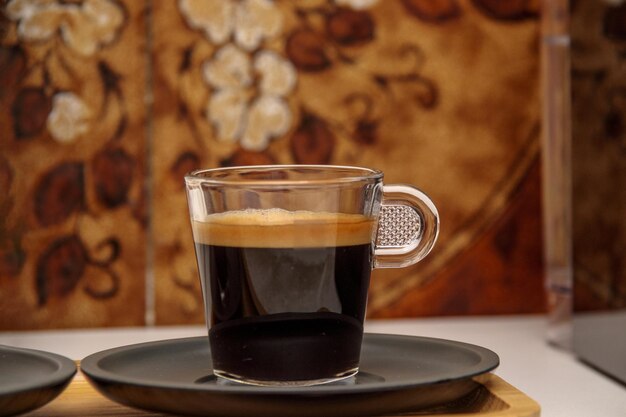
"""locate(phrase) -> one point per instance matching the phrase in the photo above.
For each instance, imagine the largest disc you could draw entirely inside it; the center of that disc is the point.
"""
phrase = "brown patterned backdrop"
(72, 222)
(441, 94)
(599, 154)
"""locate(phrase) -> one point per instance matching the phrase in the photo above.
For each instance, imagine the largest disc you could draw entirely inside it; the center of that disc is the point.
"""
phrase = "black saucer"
(397, 374)
(31, 378)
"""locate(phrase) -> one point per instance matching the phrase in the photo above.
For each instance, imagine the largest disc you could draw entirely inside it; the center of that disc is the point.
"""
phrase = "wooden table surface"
(495, 399)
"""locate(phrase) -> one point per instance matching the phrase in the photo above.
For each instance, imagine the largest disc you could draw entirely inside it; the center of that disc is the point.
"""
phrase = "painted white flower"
(69, 118)
(357, 4)
(241, 109)
(247, 22)
(83, 27)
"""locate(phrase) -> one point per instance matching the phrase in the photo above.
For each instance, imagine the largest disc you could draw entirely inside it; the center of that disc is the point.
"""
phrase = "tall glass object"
(556, 165)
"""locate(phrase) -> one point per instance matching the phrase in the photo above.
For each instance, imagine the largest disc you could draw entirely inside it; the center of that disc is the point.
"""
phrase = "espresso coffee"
(285, 292)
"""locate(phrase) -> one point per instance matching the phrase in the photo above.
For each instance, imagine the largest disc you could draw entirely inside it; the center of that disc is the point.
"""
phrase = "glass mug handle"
(408, 227)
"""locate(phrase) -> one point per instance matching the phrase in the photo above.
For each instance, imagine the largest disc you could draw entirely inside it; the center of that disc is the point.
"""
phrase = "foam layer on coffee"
(276, 228)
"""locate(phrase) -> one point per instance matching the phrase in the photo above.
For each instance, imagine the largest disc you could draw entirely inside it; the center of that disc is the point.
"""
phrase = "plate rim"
(66, 369)
(89, 365)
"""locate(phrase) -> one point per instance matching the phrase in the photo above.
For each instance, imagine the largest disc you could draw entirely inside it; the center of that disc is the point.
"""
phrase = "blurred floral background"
(598, 73)
(106, 104)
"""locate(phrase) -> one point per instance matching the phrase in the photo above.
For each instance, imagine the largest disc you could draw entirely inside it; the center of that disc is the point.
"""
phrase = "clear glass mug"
(285, 254)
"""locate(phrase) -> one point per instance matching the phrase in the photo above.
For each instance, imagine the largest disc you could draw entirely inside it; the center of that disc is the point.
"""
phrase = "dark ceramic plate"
(398, 373)
(31, 378)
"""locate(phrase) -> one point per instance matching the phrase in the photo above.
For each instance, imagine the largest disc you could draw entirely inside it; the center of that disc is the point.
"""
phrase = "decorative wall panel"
(72, 157)
(443, 95)
(106, 104)
(599, 155)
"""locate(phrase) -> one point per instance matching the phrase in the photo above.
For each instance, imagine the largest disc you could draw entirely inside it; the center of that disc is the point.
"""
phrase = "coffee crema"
(285, 291)
(276, 228)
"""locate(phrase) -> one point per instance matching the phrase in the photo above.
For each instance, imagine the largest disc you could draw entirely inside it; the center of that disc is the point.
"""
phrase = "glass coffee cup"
(285, 254)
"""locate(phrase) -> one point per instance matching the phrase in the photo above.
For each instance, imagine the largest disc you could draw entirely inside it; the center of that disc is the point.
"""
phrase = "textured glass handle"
(407, 228)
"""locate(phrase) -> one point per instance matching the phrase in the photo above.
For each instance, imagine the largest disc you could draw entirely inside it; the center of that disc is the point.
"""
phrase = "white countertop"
(554, 378)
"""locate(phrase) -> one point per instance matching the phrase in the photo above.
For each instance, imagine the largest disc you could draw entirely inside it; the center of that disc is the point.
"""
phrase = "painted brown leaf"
(59, 193)
(242, 157)
(614, 22)
(30, 112)
(433, 11)
(185, 163)
(312, 142)
(350, 27)
(306, 49)
(112, 171)
(12, 64)
(12, 258)
(507, 9)
(60, 268)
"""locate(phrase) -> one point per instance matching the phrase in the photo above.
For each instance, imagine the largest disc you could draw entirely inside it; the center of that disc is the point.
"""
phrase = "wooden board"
(496, 398)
